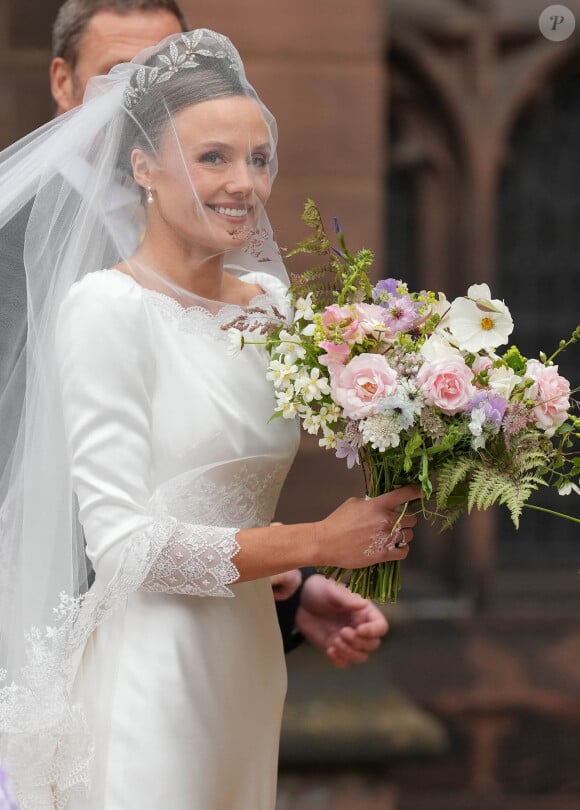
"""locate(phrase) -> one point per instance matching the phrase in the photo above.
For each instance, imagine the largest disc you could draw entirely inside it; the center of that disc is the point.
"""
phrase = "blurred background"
(445, 135)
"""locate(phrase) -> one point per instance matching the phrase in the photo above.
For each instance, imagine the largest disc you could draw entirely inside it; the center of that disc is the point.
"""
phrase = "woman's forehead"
(225, 118)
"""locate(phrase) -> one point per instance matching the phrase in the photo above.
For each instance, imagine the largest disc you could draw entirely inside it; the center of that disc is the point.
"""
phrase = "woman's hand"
(364, 532)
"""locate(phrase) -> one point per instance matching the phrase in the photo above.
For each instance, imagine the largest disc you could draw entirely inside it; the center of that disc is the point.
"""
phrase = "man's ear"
(142, 164)
(62, 85)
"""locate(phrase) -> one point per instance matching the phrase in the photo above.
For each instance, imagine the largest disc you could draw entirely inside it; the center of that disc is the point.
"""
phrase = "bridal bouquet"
(411, 385)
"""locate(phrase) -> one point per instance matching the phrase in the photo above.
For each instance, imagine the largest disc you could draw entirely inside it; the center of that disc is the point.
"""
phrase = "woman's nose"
(239, 178)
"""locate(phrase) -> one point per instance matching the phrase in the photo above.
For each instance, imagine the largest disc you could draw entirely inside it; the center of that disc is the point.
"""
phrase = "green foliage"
(342, 277)
(574, 338)
(318, 243)
(480, 480)
(515, 360)
(449, 476)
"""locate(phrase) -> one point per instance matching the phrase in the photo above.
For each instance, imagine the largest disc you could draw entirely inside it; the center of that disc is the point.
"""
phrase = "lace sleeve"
(195, 560)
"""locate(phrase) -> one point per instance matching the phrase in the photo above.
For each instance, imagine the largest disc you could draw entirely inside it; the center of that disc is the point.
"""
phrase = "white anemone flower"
(478, 321)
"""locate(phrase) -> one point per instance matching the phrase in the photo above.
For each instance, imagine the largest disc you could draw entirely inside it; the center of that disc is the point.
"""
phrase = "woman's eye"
(214, 158)
(259, 161)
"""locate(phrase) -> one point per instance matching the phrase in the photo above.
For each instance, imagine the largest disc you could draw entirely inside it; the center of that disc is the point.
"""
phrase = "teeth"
(230, 212)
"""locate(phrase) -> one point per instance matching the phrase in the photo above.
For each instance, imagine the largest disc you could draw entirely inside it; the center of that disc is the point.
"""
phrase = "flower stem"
(551, 512)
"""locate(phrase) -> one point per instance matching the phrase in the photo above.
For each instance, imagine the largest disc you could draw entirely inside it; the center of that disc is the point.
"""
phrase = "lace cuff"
(195, 560)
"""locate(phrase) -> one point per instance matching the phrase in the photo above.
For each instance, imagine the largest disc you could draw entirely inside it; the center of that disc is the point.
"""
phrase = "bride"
(143, 665)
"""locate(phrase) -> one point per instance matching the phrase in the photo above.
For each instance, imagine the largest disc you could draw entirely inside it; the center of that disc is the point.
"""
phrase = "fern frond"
(489, 486)
(450, 474)
(323, 281)
(318, 243)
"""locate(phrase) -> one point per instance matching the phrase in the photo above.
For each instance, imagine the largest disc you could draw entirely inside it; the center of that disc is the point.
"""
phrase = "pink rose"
(482, 363)
(360, 385)
(446, 384)
(551, 394)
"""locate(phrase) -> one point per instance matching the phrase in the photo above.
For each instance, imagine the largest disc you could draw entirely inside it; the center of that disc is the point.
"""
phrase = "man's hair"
(74, 17)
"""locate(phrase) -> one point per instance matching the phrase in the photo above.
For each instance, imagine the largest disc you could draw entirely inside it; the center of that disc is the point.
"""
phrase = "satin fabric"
(183, 695)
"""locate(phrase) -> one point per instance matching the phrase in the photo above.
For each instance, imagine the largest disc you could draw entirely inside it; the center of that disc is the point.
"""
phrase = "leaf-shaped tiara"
(181, 54)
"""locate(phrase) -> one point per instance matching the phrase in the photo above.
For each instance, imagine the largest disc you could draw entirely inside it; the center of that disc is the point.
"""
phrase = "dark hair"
(212, 78)
(74, 17)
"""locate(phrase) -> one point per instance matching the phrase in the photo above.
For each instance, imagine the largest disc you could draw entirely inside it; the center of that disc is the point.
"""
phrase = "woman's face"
(212, 173)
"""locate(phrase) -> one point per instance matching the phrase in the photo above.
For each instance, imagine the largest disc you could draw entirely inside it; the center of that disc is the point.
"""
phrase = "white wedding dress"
(181, 683)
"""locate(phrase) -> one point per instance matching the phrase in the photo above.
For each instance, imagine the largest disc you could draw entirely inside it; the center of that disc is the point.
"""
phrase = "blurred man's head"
(91, 36)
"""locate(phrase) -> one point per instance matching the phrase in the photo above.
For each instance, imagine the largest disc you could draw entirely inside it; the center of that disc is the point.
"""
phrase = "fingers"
(342, 656)
(351, 647)
(389, 545)
(398, 497)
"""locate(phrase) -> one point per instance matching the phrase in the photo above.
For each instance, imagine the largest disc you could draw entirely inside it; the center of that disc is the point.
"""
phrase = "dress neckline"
(264, 298)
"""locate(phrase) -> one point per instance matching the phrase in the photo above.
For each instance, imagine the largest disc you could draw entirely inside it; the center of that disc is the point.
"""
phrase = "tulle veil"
(66, 209)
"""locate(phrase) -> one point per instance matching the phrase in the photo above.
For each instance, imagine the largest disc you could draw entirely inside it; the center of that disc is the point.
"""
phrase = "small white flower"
(568, 488)
(281, 373)
(235, 341)
(332, 412)
(478, 321)
(329, 440)
(304, 309)
(312, 386)
(285, 404)
(290, 347)
(309, 330)
(476, 424)
(312, 423)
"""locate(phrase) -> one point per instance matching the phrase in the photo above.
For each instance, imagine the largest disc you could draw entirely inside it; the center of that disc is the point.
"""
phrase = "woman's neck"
(191, 268)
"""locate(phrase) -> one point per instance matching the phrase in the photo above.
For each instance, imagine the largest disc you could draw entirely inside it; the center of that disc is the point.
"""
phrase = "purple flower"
(336, 225)
(497, 406)
(494, 407)
(385, 288)
(401, 314)
(347, 451)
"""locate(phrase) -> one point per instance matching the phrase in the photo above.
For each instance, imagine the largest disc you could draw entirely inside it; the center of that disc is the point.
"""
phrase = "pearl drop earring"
(149, 197)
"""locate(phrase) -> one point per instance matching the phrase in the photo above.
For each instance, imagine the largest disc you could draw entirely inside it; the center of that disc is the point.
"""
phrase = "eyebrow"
(218, 145)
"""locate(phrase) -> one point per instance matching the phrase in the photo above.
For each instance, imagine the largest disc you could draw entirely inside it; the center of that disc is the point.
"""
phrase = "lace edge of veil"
(47, 745)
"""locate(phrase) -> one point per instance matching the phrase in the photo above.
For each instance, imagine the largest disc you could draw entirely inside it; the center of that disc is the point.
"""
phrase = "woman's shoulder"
(102, 299)
(105, 284)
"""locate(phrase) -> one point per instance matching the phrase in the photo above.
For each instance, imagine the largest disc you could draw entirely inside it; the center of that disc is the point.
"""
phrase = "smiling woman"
(143, 471)
(187, 233)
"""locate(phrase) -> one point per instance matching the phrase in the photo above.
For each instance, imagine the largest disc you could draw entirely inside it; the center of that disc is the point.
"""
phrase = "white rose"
(502, 381)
